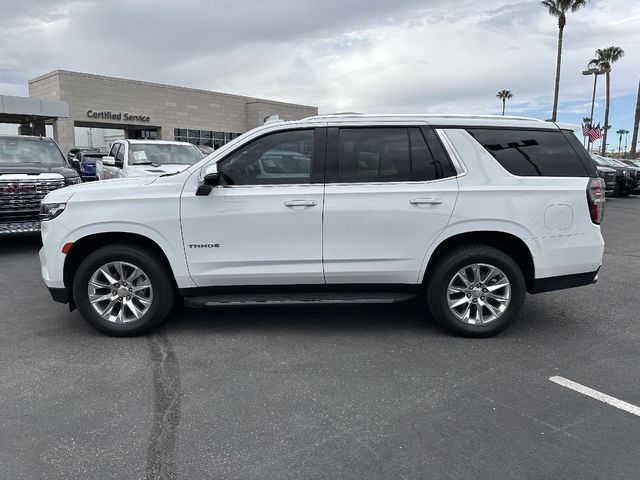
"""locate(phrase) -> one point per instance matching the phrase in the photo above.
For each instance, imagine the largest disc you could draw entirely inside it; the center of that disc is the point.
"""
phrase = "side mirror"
(109, 161)
(210, 181)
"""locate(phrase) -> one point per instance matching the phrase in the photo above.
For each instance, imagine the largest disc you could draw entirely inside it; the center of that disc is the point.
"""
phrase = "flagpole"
(593, 102)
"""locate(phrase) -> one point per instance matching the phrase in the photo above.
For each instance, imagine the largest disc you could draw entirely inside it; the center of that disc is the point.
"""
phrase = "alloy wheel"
(478, 294)
(120, 292)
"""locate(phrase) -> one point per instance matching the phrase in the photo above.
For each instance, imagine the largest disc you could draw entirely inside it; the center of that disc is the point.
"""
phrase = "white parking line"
(603, 397)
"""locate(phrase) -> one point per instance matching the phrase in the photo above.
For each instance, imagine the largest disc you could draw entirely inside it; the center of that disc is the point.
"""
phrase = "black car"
(609, 175)
(626, 177)
(30, 167)
(635, 167)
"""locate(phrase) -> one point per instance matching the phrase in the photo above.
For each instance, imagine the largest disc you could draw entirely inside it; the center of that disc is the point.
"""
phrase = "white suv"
(467, 213)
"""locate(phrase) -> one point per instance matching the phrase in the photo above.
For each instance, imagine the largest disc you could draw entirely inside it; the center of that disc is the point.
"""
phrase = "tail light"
(595, 199)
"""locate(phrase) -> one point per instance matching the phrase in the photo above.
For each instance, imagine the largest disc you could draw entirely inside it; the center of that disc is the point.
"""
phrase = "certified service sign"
(127, 117)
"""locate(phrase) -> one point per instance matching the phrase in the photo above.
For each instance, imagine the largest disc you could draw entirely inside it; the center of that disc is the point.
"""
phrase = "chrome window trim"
(455, 157)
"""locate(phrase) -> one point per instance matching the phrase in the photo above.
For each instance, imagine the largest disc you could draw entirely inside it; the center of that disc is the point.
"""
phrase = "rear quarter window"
(531, 153)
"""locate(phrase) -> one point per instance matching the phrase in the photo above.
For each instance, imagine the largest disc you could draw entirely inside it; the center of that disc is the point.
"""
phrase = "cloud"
(360, 55)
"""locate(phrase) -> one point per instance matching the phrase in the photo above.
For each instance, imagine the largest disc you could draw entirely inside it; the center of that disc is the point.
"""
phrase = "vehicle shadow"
(406, 317)
(20, 243)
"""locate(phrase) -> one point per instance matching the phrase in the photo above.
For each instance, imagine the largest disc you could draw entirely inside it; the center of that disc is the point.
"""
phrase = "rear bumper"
(60, 295)
(541, 285)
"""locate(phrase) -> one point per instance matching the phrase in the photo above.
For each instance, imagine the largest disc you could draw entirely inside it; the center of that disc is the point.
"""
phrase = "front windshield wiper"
(172, 174)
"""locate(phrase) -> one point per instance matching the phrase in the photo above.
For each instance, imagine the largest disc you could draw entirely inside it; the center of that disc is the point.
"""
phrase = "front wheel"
(123, 290)
(476, 291)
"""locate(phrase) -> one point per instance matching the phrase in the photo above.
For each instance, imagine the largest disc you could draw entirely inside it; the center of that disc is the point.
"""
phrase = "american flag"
(585, 129)
(595, 133)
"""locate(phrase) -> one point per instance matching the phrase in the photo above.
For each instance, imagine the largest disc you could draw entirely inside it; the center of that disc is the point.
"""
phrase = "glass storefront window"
(204, 137)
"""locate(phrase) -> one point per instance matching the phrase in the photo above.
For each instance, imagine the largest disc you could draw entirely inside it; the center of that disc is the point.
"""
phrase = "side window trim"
(458, 164)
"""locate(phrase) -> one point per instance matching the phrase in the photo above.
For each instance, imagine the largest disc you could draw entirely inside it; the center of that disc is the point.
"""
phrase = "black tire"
(154, 269)
(444, 271)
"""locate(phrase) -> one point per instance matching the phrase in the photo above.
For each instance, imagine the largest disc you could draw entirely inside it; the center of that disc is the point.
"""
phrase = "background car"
(635, 167)
(75, 150)
(626, 179)
(609, 176)
(139, 158)
(84, 162)
(30, 168)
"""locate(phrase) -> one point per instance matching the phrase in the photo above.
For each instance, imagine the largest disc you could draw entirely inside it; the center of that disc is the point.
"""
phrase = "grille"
(20, 199)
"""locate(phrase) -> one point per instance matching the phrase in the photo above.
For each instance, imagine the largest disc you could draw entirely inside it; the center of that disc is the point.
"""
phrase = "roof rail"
(422, 115)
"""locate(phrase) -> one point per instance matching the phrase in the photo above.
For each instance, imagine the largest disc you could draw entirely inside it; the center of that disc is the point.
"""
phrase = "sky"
(369, 56)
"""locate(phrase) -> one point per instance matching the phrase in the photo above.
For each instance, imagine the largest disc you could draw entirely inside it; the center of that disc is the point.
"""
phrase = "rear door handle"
(300, 203)
(425, 201)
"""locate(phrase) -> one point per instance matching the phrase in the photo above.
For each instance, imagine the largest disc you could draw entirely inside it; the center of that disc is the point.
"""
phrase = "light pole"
(595, 72)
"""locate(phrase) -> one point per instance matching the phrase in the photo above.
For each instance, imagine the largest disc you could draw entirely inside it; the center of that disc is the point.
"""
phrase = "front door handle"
(425, 201)
(300, 203)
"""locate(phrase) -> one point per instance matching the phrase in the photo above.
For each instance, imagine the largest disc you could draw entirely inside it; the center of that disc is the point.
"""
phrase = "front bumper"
(26, 226)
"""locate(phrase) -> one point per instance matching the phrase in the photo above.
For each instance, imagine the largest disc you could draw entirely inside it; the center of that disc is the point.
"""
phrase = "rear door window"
(530, 153)
(386, 154)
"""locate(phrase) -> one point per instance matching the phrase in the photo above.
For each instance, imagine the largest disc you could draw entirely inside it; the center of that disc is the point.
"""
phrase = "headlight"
(49, 211)
(625, 173)
(73, 180)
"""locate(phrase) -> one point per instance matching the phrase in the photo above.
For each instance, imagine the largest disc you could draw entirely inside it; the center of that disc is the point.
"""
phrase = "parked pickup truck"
(140, 158)
(30, 168)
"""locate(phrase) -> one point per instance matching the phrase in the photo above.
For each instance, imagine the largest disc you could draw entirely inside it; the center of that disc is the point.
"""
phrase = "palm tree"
(605, 57)
(559, 9)
(636, 126)
(620, 134)
(504, 95)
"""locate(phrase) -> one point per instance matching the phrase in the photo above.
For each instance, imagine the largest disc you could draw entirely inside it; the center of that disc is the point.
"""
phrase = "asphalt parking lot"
(349, 392)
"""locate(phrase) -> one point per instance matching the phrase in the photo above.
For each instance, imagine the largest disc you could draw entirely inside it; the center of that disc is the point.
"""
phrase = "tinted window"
(423, 165)
(531, 152)
(388, 154)
(374, 155)
(120, 154)
(283, 157)
(114, 150)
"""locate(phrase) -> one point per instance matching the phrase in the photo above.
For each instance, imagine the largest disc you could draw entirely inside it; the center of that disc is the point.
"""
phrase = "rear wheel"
(476, 291)
(123, 290)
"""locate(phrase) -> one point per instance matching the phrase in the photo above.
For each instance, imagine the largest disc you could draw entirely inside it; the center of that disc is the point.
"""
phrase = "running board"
(252, 299)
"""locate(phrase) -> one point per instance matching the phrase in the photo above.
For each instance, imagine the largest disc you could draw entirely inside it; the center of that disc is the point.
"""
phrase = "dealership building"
(104, 109)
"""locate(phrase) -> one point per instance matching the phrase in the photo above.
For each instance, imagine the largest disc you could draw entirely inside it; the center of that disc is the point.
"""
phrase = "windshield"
(91, 158)
(17, 151)
(163, 154)
(617, 163)
(605, 162)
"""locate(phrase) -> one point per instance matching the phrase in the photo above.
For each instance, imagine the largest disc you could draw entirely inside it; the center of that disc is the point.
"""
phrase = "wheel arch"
(90, 243)
(512, 245)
